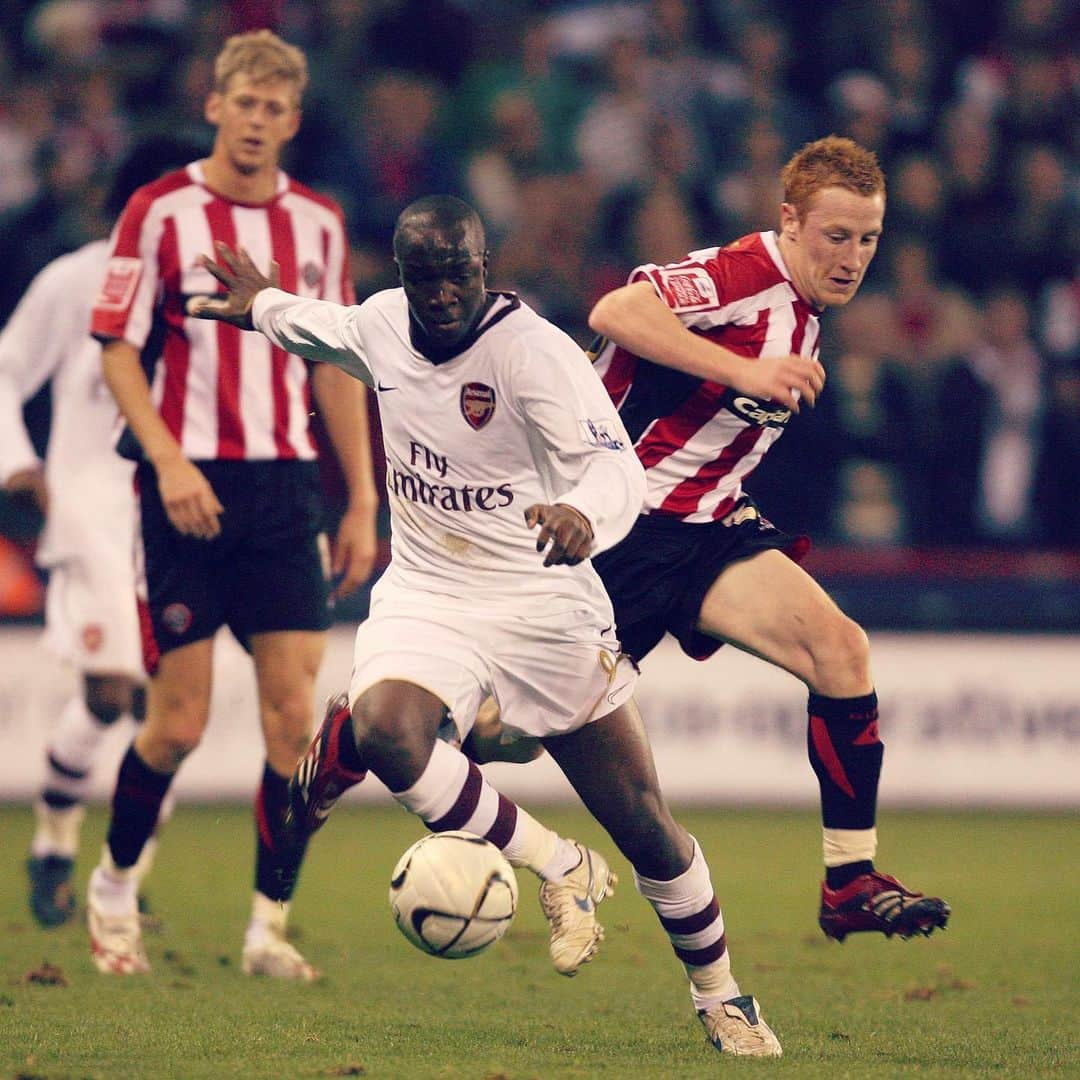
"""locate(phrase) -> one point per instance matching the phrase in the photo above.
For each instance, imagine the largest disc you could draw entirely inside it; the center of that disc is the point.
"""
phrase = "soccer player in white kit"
(85, 492)
(494, 424)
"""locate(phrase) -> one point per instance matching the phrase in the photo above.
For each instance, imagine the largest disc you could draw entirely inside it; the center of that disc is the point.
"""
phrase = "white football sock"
(449, 788)
(691, 916)
(842, 846)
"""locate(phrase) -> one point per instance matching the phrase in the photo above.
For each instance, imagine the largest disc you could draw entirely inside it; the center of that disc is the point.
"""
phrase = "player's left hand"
(568, 532)
(30, 484)
(354, 550)
(236, 271)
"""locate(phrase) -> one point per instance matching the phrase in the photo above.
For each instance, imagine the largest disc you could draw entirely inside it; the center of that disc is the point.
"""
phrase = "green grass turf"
(997, 995)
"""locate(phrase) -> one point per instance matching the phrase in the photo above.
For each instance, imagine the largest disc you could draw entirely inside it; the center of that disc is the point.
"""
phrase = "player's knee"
(107, 699)
(377, 735)
(389, 745)
(841, 655)
(287, 720)
(171, 732)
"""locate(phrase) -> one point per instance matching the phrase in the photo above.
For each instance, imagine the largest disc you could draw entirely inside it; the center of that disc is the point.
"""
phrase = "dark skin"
(395, 723)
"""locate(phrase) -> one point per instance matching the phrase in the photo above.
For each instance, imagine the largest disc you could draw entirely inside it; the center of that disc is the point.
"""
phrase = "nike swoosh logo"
(379, 386)
(584, 903)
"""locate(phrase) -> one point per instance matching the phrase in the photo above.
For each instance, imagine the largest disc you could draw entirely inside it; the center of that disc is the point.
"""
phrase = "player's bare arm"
(243, 280)
(186, 494)
(342, 402)
(636, 318)
(565, 533)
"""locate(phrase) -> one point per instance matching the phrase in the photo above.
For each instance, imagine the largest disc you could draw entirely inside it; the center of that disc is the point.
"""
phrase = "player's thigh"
(177, 705)
(433, 650)
(609, 763)
(768, 605)
(555, 672)
(277, 576)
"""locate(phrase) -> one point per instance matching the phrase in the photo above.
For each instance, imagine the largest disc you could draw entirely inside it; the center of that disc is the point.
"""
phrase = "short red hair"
(830, 162)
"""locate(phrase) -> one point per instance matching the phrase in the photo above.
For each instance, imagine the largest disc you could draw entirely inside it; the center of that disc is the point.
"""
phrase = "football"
(453, 894)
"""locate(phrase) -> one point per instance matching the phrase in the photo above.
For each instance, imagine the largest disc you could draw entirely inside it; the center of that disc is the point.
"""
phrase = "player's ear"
(212, 108)
(789, 221)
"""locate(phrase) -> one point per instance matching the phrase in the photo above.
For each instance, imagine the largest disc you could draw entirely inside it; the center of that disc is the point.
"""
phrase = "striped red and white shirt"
(699, 440)
(224, 393)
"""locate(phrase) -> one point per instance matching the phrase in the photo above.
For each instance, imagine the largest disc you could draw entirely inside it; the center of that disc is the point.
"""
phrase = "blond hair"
(830, 162)
(264, 57)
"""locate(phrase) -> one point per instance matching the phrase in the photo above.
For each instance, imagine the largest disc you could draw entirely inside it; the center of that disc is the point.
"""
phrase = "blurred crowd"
(596, 136)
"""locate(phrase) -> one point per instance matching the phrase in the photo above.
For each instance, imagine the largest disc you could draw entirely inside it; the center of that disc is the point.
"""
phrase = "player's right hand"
(565, 533)
(188, 498)
(236, 271)
(787, 380)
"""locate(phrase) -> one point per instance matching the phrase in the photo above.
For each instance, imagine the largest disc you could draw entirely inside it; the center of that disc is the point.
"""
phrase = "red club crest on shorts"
(93, 636)
(477, 404)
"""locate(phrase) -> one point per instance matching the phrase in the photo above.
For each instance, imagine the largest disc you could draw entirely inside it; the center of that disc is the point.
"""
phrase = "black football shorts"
(657, 576)
(266, 571)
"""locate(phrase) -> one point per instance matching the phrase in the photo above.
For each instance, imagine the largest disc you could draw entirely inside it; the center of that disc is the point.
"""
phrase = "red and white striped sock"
(690, 914)
(452, 793)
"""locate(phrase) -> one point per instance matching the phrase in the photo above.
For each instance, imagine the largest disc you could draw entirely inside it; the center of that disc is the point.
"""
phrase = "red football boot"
(320, 779)
(878, 902)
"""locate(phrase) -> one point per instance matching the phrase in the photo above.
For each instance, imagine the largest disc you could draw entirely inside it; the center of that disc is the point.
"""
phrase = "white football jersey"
(48, 336)
(517, 418)
(90, 610)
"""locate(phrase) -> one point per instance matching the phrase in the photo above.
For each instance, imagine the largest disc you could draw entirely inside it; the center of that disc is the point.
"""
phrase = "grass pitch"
(997, 995)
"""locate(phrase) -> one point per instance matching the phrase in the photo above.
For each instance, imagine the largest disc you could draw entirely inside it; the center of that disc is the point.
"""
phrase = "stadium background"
(938, 474)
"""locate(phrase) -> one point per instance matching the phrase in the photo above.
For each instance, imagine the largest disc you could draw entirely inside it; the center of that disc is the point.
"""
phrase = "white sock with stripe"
(690, 914)
(452, 793)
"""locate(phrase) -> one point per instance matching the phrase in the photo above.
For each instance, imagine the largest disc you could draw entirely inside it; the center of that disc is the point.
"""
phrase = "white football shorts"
(91, 615)
(550, 674)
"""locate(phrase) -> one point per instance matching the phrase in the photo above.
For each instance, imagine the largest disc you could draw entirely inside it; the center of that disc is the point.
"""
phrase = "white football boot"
(116, 945)
(570, 906)
(266, 952)
(737, 1027)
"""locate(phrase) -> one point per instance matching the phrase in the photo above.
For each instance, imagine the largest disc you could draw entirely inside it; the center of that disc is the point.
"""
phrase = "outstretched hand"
(236, 271)
(568, 532)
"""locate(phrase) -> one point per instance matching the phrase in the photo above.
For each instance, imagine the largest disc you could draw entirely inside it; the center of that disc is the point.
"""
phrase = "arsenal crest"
(477, 404)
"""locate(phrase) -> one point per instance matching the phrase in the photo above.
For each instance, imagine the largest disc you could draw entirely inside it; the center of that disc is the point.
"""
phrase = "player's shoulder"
(752, 258)
(385, 302)
(522, 327)
(527, 342)
(715, 277)
(166, 184)
(315, 198)
(75, 267)
(383, 314)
